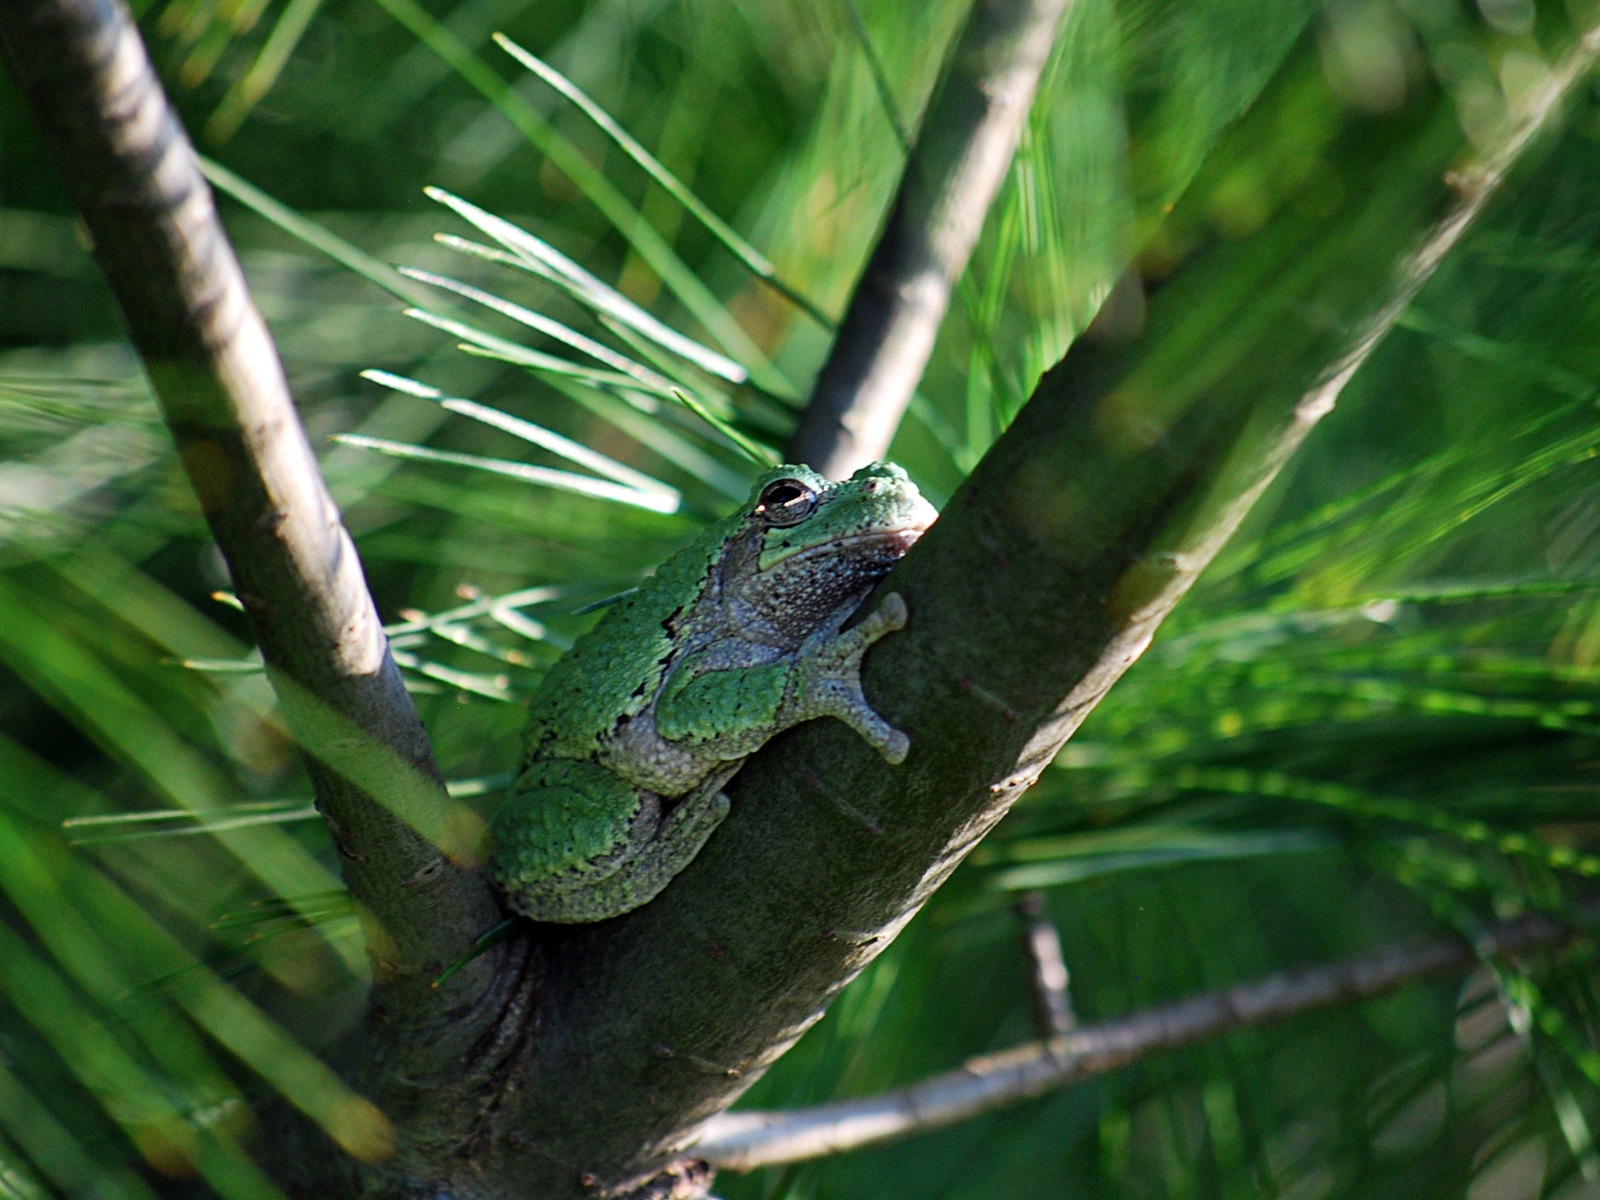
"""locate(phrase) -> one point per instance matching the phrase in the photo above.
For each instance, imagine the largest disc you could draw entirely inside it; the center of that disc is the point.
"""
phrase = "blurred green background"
(1377, 716)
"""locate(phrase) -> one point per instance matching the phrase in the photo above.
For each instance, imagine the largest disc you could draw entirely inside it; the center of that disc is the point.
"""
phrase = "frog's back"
(612, 671)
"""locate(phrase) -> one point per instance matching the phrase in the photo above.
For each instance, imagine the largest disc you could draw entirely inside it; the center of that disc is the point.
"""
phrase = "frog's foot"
(690, 823)
(832, 679)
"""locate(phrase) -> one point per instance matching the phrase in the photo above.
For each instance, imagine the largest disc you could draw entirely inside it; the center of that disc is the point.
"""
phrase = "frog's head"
(823, 544)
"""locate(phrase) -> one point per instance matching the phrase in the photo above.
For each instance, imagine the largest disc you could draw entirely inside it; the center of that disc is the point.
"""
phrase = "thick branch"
(742, 1141)
(218, 380)
(951, 177)
(1047, 576)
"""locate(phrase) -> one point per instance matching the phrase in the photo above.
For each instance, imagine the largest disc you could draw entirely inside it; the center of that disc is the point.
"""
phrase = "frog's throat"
(892, 544)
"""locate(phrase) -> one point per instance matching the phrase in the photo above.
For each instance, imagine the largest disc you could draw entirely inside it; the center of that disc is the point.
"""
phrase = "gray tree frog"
(633, 734)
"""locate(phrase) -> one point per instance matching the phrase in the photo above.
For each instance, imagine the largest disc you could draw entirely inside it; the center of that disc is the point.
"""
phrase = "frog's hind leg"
(650, 865)
(830, 679)
(584, 891)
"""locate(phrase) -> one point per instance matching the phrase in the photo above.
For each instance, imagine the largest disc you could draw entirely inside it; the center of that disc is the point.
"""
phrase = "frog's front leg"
(827, 679)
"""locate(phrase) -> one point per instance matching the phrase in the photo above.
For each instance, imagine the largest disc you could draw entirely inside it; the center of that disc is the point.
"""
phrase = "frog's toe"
(881, 736)
(883, 620)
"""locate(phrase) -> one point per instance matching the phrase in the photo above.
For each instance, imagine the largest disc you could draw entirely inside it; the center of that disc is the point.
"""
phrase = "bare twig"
(955, 169)
(742, 1141)
(216, 375)
(1047, 968)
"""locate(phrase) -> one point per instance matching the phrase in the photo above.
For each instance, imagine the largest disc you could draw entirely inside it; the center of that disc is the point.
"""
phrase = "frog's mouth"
(875, 551)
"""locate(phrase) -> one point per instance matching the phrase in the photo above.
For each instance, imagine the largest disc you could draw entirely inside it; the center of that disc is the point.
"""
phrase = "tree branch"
(952, 175)
(1048, 978)
(743, 1141)
(1046, 577)
(216, 375)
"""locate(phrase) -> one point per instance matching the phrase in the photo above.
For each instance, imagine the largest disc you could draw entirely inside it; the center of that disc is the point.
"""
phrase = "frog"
(634, 733)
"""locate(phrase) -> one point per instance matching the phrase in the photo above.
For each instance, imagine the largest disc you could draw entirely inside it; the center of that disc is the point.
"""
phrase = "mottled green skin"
(633, 733)
(612, 670)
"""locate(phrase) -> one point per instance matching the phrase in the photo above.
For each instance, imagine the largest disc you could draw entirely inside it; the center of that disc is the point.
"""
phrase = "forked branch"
(1047, 575)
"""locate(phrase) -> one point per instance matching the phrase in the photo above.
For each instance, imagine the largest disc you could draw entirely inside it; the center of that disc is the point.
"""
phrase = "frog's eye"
(785, 502)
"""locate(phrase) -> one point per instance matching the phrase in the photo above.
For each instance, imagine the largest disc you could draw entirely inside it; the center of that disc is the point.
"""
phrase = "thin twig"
(216, 375)
(742, 1141)
(1047, 968)
(951, 177)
